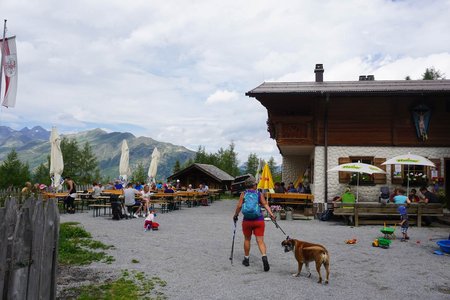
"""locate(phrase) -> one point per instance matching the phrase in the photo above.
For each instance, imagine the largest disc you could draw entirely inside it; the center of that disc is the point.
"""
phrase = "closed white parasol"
(56, 159)
(124, 166)
(154, 165)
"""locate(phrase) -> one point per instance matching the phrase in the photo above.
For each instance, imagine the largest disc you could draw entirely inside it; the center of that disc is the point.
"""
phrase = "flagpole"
(2, 51)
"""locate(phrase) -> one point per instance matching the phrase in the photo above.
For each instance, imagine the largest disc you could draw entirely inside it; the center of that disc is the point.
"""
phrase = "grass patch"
(134, 261)
(134, 285)
(76, 245)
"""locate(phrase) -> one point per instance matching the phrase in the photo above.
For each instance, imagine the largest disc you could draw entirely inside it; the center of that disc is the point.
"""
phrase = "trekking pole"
(278, 226)
(232, 245)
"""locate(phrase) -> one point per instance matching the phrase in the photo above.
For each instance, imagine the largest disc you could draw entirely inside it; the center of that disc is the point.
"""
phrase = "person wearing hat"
(404, 222)
(254, 226)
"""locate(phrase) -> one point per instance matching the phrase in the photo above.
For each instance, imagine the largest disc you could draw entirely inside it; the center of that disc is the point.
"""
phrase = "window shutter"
(344, 177)
(379, 178)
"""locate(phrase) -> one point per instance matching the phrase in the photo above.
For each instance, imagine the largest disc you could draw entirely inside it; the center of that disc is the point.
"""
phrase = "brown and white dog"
(305, 253)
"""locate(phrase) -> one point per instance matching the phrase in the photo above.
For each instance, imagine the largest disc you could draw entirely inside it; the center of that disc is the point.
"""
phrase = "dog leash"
(278, 226)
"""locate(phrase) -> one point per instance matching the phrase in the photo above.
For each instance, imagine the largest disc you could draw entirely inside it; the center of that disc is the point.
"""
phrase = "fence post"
(28, 249)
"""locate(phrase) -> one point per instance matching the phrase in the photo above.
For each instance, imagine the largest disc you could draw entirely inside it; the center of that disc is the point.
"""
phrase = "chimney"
(319, 72)
(362, 78)
(370, 77)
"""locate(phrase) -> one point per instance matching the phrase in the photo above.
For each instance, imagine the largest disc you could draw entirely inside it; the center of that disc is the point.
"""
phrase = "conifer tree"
(13, 173)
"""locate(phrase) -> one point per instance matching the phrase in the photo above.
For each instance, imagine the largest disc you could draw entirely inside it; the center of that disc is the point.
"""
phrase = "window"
(417, 175)
(363, 177)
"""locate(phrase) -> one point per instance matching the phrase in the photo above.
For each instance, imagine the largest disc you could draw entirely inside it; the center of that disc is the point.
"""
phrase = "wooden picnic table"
(296, 200)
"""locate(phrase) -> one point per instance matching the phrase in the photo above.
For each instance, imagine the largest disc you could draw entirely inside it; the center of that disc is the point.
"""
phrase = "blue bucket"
(445, 245)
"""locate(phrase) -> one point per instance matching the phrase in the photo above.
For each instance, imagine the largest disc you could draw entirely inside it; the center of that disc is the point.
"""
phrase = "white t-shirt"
(145, 195)
(150, 217)
(96, 190)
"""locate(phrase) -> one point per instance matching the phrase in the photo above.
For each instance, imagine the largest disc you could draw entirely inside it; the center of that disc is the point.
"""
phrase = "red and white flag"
(9, 59)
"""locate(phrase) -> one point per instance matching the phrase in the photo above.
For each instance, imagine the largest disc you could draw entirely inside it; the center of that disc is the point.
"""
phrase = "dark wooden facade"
(385, 120)
(197, 174)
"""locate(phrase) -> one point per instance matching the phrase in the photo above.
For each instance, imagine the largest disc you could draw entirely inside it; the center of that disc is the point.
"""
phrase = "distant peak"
(38, 128)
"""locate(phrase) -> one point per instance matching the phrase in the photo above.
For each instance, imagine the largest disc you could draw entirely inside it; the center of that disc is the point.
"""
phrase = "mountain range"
(33, 146)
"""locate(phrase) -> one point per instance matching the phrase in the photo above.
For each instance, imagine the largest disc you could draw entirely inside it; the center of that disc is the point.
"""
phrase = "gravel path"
(192, 248)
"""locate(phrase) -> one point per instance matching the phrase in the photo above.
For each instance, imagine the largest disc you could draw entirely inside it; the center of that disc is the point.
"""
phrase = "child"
(404, 222)
(150, 223)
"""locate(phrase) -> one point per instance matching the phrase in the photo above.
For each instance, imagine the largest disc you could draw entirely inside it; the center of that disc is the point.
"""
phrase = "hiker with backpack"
(250, 203)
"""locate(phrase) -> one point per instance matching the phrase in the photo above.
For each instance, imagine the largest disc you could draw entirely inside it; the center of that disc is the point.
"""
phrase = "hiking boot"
(246, 262)
(265, 263)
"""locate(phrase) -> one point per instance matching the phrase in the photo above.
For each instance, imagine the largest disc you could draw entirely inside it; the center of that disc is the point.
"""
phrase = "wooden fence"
(29, 235)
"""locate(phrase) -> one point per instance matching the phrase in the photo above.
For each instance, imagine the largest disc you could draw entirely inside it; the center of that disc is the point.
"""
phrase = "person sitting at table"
(283, 187)
(301, 188)
(169, 190)
(346, 197)
(139, 186)
(400, 198)
(429, 197)
(394, 193)
(129, 194)
(189, 188)
(118, 185)
(201, 188)
(108, 186)
(278, 189)
(27, 189)
(412, 196)
(291, 188)
(145, 194)
(96, 190)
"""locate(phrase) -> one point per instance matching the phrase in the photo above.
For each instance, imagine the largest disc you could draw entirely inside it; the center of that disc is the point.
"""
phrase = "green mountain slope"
(35, 148)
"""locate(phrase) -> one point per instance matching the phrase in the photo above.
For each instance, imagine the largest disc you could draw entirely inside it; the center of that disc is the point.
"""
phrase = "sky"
(178, 71)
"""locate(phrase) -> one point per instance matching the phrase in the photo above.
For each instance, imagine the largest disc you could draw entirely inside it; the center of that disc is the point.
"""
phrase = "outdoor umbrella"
(357, 167)
(266, 181)
(409, 159)
(153, 165)
(258, 171)
(56, 159)
(124, 167)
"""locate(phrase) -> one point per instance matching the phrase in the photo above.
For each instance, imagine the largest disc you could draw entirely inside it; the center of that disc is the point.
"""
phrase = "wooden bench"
(163, 199)
(96, 209)
(363, 211)
(296, 200)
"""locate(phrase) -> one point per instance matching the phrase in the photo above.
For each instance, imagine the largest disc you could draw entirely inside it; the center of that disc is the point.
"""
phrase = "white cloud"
(222, 96)
(178, 70)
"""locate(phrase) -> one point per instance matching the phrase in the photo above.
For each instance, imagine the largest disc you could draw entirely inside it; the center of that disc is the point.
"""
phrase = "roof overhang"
(366, 88)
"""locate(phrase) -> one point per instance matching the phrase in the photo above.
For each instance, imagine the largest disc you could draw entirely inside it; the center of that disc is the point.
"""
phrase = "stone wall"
(293, 166)
(366, 193)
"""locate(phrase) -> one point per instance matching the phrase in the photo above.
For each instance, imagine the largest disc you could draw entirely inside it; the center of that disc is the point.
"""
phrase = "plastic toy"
(389, 232)
(382, 243)
(352, 241)
(444, 245)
